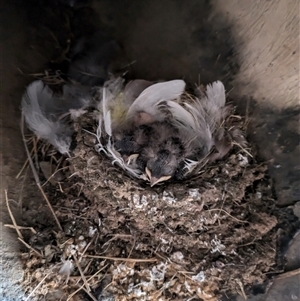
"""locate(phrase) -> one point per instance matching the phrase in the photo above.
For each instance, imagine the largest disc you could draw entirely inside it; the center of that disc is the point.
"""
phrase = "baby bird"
(161, 132)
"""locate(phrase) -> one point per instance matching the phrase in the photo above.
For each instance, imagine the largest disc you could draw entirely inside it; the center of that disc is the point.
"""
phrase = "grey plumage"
(43, 112)
(164, 134)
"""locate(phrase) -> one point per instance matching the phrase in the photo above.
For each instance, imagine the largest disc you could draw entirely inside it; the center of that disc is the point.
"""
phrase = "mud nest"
(211, 235)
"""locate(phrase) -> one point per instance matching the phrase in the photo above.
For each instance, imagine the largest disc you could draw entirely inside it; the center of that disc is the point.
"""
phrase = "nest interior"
(120, 239)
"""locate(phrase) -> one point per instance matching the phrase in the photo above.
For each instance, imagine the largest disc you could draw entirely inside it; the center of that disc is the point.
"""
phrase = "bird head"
(161, 167)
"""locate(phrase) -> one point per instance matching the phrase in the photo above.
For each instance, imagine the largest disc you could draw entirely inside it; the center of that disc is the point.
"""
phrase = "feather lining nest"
(204, 125)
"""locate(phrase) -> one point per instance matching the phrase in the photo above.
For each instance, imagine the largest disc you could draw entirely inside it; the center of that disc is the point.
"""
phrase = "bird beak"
(154, 181)
(132, 159)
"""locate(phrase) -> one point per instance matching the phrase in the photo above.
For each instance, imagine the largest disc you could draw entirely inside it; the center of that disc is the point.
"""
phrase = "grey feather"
(42, 111)
(213, 104)
(215, 93)
(150, 98)
(181, 115)
(208, 112)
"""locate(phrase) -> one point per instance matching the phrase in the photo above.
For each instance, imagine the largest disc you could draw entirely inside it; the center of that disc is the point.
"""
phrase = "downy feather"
(181, 115)
(213, 104)
(41, 120)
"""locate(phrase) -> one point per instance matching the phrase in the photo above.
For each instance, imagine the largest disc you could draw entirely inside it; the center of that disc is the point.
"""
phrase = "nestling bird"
(158, 132)
(155, 132)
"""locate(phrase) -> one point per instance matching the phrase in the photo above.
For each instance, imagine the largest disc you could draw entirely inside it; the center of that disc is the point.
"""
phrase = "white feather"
(113, 88)
(213, 103)
(150, 98)
(189, 118)
(43, 123)
(216, 94)
(198, 113)
(181, 115)
(106, 113)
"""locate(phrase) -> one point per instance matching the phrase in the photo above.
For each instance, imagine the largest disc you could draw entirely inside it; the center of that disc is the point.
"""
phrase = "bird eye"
(148, 172)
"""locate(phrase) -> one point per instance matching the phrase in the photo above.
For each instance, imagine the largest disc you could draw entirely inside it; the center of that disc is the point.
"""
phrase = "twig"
(89, 293)
(80, 288)
(81, 273)
(30, 247)
(216, 209)
(122, 259)
(23, 167)
(242, 289)
(49, 205)
(20, 227)
(12, 216)
(87, 246)
(289, 274)
(249, 243)
(87, 267)
(60, 169)
(37, 180)
(223, 201)
(35, 150)
(60, 188)
(116, 236)
(40, 283)
(242, 148)
(20, 203)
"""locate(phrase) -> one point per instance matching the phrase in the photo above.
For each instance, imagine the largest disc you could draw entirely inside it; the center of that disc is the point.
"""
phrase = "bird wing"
(149, 100)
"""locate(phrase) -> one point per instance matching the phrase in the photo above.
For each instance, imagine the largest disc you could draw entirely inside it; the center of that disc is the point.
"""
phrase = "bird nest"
(111, 237)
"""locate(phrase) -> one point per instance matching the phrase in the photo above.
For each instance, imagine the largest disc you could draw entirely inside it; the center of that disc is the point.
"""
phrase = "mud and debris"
(211, 235)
